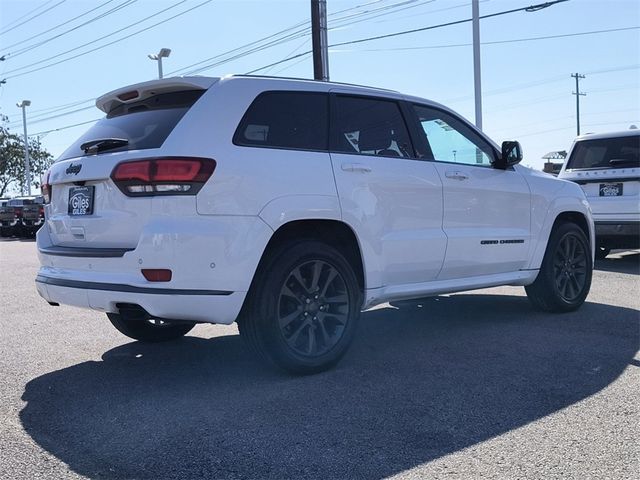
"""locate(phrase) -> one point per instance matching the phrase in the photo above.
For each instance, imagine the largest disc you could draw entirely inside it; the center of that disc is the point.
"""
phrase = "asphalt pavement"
(465, 386)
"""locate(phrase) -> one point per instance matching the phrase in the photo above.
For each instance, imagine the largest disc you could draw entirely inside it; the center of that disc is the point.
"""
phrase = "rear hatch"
(608, 170)
(87, 208)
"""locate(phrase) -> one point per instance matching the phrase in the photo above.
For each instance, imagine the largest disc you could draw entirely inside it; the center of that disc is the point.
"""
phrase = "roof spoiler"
(141, 91)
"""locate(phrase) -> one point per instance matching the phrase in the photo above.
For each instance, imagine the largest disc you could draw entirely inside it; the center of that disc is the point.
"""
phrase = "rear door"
(487, 212)
(392, 199)
(86, 207)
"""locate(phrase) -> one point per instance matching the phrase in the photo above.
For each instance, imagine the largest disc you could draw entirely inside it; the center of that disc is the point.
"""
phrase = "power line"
(32, 18)
(531, 8)
(296, 32)
(63, 128)
(113, 42)
(415, 30)
(94, 41)
(29, 13)
(496, 42)
(28, 48)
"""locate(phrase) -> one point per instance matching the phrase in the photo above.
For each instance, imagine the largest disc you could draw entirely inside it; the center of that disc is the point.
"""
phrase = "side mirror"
(511, 155)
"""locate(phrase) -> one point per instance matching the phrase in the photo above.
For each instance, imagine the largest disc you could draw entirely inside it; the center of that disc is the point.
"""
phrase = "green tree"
(12, 159)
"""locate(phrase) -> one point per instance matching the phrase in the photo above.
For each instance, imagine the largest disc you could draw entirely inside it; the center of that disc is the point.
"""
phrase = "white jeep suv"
(607, 167)
(291, 205)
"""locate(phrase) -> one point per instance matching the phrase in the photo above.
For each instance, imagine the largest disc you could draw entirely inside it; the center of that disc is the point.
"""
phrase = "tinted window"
(370, 127)
(286, 120)
(449, 139)
(606, 153)
(145, 124)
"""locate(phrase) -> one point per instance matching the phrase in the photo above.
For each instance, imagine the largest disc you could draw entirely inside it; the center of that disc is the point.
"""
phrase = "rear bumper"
(195, 305)
(212, 259)
(618, 234)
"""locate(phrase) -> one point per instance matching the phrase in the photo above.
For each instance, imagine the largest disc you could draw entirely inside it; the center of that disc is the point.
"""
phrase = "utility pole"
(475, 10)
(578, 94)
(27, 169)
(319, 40)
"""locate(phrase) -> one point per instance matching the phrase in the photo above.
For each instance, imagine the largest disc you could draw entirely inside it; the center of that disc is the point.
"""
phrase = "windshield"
(618, 152)
(145, 124)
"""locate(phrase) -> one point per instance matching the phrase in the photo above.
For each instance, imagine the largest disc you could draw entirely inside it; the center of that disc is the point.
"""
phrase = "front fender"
(542, 222)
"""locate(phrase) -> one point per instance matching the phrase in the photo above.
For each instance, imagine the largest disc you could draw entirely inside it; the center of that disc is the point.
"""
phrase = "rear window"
(145, 124)
(296, 120)
(605, 153)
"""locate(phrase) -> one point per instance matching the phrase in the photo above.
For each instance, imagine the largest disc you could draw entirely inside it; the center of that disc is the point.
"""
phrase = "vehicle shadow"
(623, 261)
(423, 379)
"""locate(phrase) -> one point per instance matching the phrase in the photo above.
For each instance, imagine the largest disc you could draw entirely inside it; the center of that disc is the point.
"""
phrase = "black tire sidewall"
(265, 304)
(548, 269)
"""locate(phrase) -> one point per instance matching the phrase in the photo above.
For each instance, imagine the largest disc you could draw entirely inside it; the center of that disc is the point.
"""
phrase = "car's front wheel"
(565, 274)
(302, 311)
(150, 330)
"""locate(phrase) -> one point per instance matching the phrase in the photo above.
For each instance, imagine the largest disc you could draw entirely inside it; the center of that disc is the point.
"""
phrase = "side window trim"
(476, 138)
(333, 121)
(236, 139)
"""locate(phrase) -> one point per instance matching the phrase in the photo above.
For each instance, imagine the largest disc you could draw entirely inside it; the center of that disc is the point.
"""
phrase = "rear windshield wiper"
(99, 145)
(622, 161)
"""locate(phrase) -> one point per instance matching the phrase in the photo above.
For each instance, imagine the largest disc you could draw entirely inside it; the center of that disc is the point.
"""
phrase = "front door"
(487, 216)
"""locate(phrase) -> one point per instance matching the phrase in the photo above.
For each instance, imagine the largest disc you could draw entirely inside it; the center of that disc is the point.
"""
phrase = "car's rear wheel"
(150, 330)
(303, 307)
(565, 274)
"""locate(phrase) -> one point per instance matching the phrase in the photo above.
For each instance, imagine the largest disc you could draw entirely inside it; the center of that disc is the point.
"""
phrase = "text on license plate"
(610, 189)
(81, 200)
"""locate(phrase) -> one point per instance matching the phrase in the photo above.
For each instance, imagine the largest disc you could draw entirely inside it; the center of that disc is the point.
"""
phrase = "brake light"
(163, 176)
(46, 188)
(128, 95)
(17, 212)
(42, 211)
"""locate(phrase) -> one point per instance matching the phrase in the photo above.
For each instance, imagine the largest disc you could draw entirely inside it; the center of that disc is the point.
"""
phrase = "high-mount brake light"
(163, 176)
(128, 95)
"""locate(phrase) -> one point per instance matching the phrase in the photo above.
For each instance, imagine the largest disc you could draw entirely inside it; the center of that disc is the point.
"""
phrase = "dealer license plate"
(81, 200)
(610, 189)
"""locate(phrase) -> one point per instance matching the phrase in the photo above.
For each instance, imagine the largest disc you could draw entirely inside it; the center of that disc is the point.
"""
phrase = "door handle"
(456, 175)
(356, 167)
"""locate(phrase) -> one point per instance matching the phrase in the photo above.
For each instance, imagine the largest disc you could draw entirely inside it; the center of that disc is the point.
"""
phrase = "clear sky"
(526, 83)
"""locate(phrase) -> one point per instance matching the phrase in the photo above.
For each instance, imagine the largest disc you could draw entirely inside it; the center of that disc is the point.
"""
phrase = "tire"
(147, 330)
(564, 279)
(303, 307)
(602, 252)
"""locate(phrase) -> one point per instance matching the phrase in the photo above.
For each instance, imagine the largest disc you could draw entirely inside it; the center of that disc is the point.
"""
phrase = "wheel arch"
(332, 232)
(562, 211)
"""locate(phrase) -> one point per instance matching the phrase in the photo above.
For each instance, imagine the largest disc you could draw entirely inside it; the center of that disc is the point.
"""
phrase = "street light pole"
(27, 169)
(163, 53)
(475, 10)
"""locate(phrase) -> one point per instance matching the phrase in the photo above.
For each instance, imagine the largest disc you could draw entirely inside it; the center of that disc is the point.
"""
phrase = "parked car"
(22, 216)
(607, 167)
(291, 205)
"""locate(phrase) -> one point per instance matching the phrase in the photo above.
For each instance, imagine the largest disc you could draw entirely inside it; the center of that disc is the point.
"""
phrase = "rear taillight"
(163, 176)
(46, 188)
(17, 212)
(42, 211)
